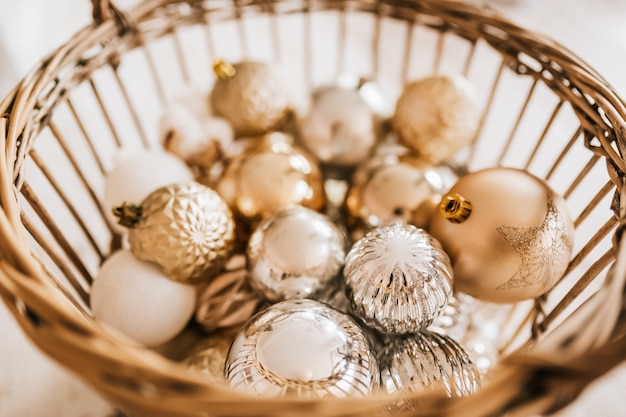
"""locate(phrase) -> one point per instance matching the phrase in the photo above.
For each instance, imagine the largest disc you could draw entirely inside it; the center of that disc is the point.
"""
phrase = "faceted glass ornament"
(398, 279)
(303, 348)
(185, 228)
(426, 361)
(295, 253)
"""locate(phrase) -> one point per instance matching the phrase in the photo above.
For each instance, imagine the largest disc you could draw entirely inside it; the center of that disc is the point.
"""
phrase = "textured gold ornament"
(209, 358)
(228, 301)
(252, 96)
(185, 228)
(270, 177)
(436, 116)
(516, 243)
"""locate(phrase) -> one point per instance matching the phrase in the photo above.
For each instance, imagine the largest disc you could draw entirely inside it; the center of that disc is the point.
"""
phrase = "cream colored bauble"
(340, 129)
(135, 298)
(137, 175)
(508, 234)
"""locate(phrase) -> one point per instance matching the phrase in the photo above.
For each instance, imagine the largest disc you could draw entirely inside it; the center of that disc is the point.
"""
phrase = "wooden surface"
(33, 386)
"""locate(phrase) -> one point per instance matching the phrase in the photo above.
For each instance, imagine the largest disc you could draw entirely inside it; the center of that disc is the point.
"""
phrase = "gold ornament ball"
(210, 357)
(252, 96)
(508, 234)
(389, 188)
(270, 177)
(185, 228)
(436, 116)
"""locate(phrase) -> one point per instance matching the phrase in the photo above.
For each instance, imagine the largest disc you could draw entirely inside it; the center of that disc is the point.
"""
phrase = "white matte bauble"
(339, 129)
(137, 175)
(198, 139)
(135, 298)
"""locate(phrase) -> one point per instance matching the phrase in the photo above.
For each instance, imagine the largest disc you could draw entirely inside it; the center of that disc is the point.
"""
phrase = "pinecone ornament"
(185, 228)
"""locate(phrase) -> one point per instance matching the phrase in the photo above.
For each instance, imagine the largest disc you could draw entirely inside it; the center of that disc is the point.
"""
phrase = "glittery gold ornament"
(209, 358)
(185, 228)
(398, 279)
(508, 234)
(389, 187)
(436, 116)
(270, 177)
(228, 300)
(252, 96)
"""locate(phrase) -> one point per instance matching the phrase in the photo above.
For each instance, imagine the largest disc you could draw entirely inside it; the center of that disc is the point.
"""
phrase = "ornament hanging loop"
(455, 208)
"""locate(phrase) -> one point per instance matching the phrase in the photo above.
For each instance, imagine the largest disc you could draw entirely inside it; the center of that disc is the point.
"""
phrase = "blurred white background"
(32, 386)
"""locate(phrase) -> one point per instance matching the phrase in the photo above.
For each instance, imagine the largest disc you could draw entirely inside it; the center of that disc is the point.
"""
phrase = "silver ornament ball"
(303, 348)
(295, 253)
(427, 361)
(398, 279)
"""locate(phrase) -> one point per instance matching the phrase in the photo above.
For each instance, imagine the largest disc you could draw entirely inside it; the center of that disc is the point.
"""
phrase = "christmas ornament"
(270, 177)
(210, 357)
(339, 129)
(302, 347)
(508, 234)
(334, 294)
(198, 140)
(138, 174)
(228, 300)
(436, 116)
(135, 298)
(294, 253)
(454, 320)
(389, 188)
(398, 279)
(185, 228)
(252, 96)
(426, 361)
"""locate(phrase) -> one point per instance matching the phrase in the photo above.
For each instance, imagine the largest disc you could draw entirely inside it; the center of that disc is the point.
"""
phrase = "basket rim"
(21, 277)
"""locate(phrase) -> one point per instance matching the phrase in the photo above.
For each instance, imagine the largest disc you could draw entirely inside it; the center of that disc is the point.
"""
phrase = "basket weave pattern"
(53, 234)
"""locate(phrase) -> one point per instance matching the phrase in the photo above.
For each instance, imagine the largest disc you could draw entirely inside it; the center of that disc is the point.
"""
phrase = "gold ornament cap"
(455, 208)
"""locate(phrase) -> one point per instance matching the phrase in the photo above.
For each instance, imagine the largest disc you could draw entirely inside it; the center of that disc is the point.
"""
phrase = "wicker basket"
(105, 89)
